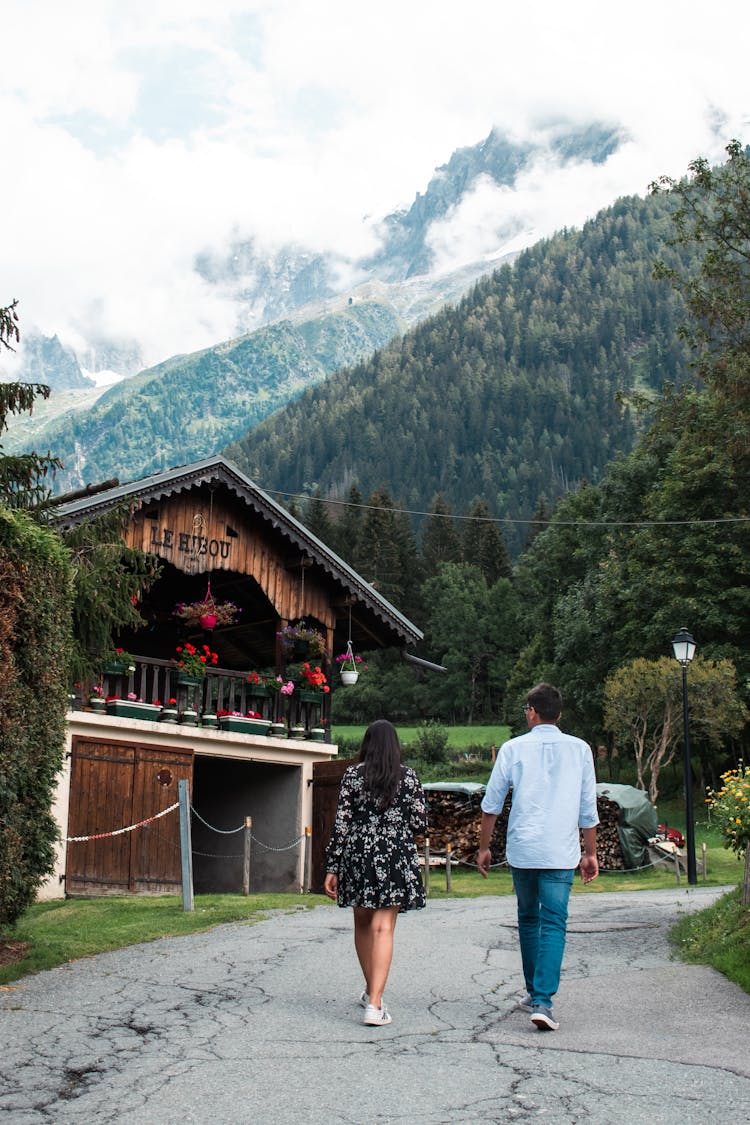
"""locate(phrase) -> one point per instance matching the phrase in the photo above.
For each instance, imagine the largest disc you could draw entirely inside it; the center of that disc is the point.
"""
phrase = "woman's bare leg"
(373, 940)
(363, 938)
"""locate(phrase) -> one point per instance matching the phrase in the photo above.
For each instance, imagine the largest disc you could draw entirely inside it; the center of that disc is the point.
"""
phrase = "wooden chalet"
(208, 523)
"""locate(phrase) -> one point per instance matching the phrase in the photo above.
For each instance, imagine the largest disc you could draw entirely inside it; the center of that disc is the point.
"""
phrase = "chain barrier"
(284, 848)
(232, 831)
(120, 831)
(221, 831)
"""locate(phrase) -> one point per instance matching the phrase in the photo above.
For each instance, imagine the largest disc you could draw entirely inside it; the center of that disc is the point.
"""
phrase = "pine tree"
(483, 543)
(440, 540)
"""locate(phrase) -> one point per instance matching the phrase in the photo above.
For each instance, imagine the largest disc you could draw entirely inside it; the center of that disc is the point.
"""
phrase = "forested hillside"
(518, 392)
(190, 406)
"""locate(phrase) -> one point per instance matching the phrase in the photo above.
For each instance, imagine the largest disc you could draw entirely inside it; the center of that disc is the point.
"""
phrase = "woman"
(372, 860)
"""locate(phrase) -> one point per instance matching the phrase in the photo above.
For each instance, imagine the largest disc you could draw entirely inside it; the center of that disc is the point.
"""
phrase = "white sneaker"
(364, 999)
(377, 1017)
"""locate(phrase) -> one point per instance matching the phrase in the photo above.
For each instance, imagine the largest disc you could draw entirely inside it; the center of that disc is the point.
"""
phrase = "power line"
(509, 519)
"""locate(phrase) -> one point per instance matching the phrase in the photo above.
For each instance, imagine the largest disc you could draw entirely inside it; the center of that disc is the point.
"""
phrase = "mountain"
(190, 406)
(499, 161)
(263, 285)
(44, 359)
(521, 391)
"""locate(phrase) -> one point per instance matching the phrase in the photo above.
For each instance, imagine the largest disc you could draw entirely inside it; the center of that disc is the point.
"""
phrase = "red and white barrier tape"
(119, 831)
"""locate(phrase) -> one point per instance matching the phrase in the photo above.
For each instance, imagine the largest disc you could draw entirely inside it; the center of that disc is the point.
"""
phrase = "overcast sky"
(136, 134)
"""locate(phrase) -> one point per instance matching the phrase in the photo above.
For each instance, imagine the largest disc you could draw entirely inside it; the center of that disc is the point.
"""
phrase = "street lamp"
(683, 647)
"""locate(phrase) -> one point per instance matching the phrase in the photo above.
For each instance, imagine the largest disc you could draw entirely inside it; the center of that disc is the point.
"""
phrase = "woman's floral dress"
(372, 852)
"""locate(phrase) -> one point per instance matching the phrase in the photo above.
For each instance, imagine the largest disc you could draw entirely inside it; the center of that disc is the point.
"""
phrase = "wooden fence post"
(426, 865)
(186, 845)
(248, 839)
(448, 850)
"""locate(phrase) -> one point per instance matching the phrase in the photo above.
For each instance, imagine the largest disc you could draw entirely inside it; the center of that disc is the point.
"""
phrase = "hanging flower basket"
(302, 640)
(208, 613)
(350, 665)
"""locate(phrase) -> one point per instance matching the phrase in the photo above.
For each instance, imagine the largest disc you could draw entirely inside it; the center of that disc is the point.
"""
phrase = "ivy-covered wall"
(35, 650)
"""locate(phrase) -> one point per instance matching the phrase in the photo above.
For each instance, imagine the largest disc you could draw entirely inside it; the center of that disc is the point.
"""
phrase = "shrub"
(431, 743)
(35, 653)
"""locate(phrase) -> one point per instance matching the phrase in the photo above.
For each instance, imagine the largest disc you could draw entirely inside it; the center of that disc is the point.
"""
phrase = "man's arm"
(589, 862)
(484, 858)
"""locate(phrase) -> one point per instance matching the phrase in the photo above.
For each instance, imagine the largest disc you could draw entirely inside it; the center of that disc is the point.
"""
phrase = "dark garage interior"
(225, 791)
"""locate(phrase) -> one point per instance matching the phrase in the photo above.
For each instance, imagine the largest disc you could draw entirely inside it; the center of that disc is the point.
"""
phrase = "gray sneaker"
(523, 1001)
(377, 1017)
(364, 1000)
(543, 1018)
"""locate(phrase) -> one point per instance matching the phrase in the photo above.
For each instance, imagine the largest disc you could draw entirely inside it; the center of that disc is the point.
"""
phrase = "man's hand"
(331, 885)
(484, 859)
(589, 867)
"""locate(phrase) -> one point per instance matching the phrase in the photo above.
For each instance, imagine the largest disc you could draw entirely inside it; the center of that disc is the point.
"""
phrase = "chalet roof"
(215, 471)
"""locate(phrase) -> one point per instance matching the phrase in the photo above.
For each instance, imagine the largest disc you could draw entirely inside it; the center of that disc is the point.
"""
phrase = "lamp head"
(683, 646)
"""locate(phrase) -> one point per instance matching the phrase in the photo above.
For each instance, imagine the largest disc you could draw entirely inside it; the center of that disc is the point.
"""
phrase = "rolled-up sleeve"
(497, 786)
(588, 816)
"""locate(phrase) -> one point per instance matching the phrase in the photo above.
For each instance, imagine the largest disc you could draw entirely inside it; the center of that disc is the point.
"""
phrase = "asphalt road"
(260, 1024)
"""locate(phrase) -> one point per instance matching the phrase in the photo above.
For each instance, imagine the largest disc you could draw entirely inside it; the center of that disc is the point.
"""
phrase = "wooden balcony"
(221, 689)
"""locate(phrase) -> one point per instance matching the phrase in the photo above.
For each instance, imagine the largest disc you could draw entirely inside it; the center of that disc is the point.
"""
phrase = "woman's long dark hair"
(381, 754)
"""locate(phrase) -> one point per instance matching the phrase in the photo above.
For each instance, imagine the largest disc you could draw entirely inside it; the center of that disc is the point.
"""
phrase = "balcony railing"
(220, 689)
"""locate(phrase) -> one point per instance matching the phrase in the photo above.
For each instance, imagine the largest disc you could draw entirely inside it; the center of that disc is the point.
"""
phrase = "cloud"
(141, 135)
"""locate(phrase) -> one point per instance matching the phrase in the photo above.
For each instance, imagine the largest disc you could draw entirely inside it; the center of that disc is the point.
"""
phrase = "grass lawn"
(65, 930)
(718, 936)
(459, 738)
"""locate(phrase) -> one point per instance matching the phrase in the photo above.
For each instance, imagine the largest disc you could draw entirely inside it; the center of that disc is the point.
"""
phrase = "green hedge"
(35, 651)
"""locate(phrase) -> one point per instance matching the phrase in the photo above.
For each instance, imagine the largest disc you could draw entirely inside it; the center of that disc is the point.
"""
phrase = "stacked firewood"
(456, 819)
(608, 847)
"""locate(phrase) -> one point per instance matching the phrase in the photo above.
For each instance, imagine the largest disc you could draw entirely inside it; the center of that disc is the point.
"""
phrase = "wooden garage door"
(326, 784)
(113, 785)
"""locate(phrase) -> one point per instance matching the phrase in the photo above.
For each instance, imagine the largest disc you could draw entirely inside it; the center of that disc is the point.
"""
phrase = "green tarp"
(637, 821)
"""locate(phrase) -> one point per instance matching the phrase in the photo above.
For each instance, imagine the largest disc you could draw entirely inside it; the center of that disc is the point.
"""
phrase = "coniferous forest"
(522, 391)
(598, 391)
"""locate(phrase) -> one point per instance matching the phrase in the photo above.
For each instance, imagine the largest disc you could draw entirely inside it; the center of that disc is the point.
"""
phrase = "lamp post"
(683, 647)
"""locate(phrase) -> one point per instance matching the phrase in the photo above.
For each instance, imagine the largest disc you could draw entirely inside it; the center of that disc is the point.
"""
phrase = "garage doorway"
(225, 791)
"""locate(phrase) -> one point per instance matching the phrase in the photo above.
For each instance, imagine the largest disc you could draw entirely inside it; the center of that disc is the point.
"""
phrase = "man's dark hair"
(381, 754)
(546, 701)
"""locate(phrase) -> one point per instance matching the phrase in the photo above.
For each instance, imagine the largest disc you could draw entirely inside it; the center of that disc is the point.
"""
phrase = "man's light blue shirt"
(554, 794)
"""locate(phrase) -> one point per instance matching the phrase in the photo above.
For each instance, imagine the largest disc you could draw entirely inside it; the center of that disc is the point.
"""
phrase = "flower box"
(258, 691)
(189, 681)
(130, 709)
(168, 715)
(97, 704)
(115, 668)
(296, 732)
(307, 695)
(189, 717)
(277, 730)
(208, 719)
(242, 725)
(317, 734)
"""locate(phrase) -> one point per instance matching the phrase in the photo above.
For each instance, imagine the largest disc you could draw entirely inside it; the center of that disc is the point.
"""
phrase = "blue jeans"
(542, 916)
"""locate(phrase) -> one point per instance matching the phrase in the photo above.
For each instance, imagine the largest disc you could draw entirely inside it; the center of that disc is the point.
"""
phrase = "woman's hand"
(331, 885)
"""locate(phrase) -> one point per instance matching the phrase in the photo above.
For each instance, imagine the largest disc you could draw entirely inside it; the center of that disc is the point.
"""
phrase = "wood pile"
(456, 819)
(608, 847)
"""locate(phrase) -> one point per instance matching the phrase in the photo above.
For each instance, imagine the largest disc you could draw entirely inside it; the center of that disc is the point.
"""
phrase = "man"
(554, 794)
